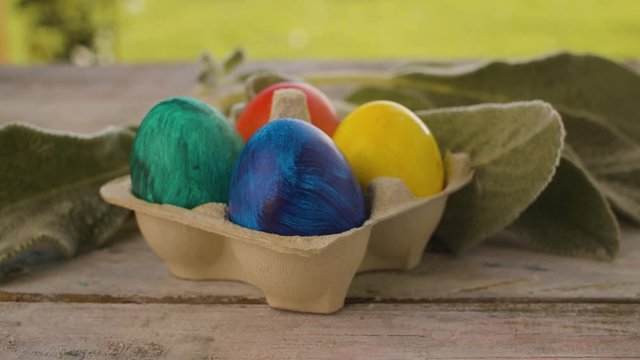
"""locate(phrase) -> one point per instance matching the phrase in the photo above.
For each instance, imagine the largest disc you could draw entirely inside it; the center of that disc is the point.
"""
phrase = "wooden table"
(496, 301)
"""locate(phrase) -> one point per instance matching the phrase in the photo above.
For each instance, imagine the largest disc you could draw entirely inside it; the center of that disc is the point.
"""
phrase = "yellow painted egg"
(383, 138)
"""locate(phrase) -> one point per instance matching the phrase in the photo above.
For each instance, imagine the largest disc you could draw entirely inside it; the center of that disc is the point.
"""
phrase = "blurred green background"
(131, 31)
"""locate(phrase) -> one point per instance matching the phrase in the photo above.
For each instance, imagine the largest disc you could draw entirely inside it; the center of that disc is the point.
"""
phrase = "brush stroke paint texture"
(184, 154)
(291, 179)
(383, 138)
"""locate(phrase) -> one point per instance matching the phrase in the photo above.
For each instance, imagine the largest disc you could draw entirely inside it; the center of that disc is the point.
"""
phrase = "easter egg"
(383, 138)
(291, 179)
(183, 154)
(256, 114)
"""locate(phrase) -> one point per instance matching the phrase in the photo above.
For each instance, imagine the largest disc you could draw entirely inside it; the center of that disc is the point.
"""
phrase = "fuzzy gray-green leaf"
(234, 59)
(49, 189)
(514, 150)
(571, 83)
(611, 157)
(570, 217)
(211, 72)
(598, 100)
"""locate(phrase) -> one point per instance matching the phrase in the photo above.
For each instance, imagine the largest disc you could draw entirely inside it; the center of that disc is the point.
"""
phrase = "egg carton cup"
(299, 273)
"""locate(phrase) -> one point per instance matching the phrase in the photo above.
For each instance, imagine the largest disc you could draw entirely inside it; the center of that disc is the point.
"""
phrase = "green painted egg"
(184, 154)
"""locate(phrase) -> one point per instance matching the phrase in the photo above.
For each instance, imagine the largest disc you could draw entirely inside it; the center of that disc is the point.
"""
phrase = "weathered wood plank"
(65, 97)
(129, 271)
(71, 98)
(501, 269)
(375, 331)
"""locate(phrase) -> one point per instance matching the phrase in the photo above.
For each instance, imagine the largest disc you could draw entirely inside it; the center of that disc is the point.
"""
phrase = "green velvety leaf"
(596, 97)
(514, 150)
(234, 59)
(611, 157)
(570, 217)
(49, 185)
(573, 84)
(210, 73)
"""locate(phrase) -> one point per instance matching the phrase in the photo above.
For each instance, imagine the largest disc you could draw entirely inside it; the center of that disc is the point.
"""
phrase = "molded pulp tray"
(308, 274)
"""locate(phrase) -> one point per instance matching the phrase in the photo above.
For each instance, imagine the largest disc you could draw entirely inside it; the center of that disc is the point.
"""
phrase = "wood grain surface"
(65, 97)
(499, 300)
(365, 331)
(128, 271)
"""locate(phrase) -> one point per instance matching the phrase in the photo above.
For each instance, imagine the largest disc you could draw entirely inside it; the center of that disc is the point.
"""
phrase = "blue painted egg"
(183, 154)
(291, 179)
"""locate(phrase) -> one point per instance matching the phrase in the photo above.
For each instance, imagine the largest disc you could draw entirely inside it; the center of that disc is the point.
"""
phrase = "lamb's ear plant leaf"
(49, 185)
(611, 157)
(573, 84)
(234, 59)
(210, 74)
(570, 217)
(597, 99)
(514, 148)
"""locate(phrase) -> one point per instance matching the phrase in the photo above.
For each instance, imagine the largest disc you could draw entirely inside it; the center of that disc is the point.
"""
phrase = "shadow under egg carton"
(298, 273)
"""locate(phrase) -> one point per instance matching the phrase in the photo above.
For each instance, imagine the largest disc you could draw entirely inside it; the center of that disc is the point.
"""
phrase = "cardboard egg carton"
(299, 273)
